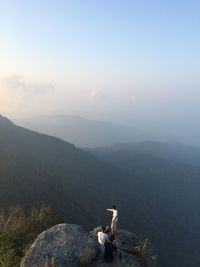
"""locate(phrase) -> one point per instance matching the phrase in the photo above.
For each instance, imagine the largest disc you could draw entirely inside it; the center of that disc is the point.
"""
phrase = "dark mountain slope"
(36, 168)
(168, 198)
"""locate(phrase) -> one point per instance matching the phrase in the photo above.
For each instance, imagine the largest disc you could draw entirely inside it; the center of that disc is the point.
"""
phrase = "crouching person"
(102, 238)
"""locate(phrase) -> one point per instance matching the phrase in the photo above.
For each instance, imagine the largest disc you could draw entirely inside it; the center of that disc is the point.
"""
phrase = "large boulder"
(61, 245)
(70, 245)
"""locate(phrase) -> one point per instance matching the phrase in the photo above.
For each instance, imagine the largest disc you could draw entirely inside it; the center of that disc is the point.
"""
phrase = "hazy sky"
(136, 58)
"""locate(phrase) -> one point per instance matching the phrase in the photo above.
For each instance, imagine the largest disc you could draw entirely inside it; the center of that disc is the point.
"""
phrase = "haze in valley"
(133, 63)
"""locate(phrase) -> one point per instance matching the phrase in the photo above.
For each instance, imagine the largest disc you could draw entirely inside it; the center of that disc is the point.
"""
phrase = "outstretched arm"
(109, 209)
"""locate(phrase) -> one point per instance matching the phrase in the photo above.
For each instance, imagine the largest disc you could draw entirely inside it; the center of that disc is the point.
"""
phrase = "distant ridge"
(174, 151)
(87, 133)
(5, 121)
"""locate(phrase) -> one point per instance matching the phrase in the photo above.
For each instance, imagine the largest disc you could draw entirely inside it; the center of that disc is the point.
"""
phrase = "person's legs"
(108, 254)
(102, 249)
(113, 227)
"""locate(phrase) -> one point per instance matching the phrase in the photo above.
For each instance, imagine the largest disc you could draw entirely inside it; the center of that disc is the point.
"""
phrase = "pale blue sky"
(105, 38)
(93, 56)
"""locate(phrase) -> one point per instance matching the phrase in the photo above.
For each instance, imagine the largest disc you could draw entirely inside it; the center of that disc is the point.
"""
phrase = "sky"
(133, 61)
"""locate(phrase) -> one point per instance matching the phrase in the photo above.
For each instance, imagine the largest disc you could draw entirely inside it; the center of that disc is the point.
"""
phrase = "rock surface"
(60, 245)
(70, 245)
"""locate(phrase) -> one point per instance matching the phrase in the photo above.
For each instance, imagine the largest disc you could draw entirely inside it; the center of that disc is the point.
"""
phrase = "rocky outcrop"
(70, 245)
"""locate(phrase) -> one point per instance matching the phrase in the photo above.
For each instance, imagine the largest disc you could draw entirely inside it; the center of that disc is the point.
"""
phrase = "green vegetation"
(143, 252)
(85, 256)
(49, 264)
(18, 231)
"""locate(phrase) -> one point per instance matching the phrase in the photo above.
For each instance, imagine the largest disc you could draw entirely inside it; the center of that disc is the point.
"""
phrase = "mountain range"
(87, 133)
(154, 185)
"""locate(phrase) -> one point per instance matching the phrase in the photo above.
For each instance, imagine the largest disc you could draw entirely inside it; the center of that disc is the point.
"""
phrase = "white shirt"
(115, 215)
(102, 237)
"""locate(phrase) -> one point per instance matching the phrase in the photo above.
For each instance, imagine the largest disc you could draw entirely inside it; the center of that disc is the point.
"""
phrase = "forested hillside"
(156, 197)
(37, 169)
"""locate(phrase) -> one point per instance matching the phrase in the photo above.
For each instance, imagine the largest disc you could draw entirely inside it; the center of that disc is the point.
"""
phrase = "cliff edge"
(70, 245)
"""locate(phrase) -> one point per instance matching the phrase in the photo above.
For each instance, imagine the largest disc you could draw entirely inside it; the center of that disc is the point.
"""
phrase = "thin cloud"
(18, 85)
(92, 93)
(96, 94)
(20, 96)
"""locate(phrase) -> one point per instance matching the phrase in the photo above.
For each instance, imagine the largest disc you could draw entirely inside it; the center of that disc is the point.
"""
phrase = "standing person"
(114, 219)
